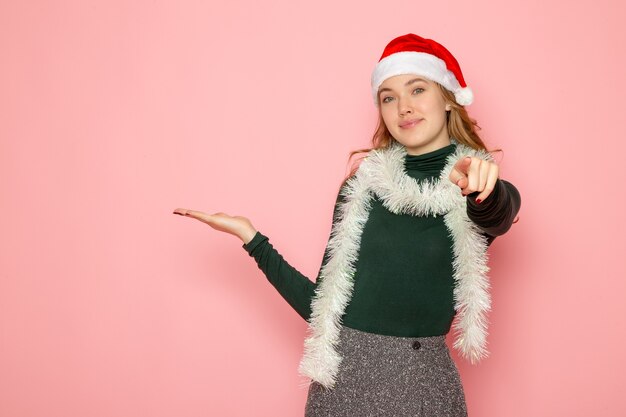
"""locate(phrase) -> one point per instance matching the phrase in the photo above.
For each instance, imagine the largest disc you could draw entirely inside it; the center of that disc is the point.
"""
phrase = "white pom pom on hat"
(412, 54)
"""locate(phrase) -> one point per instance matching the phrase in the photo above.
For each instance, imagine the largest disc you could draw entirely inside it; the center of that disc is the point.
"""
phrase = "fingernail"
(478, 200)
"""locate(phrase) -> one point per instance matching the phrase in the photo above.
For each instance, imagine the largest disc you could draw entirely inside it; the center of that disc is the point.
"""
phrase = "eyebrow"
(414, 80)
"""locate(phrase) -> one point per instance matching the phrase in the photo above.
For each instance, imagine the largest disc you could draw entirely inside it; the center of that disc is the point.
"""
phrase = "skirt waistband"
(421, 342)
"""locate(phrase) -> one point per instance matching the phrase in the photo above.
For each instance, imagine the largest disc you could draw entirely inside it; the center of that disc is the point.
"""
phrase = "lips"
(407, 124)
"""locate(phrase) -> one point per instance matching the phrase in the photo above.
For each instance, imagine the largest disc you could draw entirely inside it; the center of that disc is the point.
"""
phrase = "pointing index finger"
(459, 171)
(463, 164)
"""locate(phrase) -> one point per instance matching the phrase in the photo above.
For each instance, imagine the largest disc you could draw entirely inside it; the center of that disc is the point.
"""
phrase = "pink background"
(113, 113)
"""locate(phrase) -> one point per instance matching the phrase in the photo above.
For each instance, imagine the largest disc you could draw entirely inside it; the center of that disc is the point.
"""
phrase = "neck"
(427, 164)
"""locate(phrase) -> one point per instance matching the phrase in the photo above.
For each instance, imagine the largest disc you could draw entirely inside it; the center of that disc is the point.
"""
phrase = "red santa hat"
(412, 54)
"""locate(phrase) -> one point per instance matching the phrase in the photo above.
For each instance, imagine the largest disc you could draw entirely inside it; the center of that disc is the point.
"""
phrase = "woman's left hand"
(473, 174)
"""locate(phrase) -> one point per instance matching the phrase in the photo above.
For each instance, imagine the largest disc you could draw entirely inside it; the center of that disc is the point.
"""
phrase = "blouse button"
(416, 345)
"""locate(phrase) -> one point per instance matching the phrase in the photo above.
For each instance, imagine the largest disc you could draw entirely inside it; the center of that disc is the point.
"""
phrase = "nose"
(404, 107)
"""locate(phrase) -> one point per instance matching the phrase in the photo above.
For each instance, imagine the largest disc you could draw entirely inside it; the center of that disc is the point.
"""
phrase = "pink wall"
(114, 113)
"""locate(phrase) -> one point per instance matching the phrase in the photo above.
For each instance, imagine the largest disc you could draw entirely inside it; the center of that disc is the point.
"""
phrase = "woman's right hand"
(235, 225)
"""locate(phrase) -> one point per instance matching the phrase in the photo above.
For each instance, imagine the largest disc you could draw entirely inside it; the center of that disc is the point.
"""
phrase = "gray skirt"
(384, 375)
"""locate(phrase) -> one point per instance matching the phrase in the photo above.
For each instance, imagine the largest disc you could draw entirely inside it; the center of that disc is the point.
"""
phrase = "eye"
(384, 100)
(418, 88)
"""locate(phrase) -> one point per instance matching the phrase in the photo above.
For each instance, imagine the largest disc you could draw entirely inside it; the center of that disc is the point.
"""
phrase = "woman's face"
(414, 112)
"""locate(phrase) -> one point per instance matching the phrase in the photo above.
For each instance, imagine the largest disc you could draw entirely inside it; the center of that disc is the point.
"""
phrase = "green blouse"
(403, 283)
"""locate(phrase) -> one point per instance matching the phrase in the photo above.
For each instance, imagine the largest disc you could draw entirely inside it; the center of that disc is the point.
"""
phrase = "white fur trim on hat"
(419, 63)
(464, 96)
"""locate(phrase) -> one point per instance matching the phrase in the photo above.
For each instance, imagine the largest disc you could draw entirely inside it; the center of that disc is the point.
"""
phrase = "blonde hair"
(460, 126)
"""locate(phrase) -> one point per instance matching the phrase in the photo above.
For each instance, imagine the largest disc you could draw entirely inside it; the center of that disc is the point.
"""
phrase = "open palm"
(235, 225)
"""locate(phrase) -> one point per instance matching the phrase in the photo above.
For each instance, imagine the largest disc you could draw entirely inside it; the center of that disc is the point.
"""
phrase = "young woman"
(407, 249)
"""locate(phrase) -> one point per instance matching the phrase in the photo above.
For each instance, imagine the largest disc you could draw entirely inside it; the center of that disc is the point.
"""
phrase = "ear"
(448, 107)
